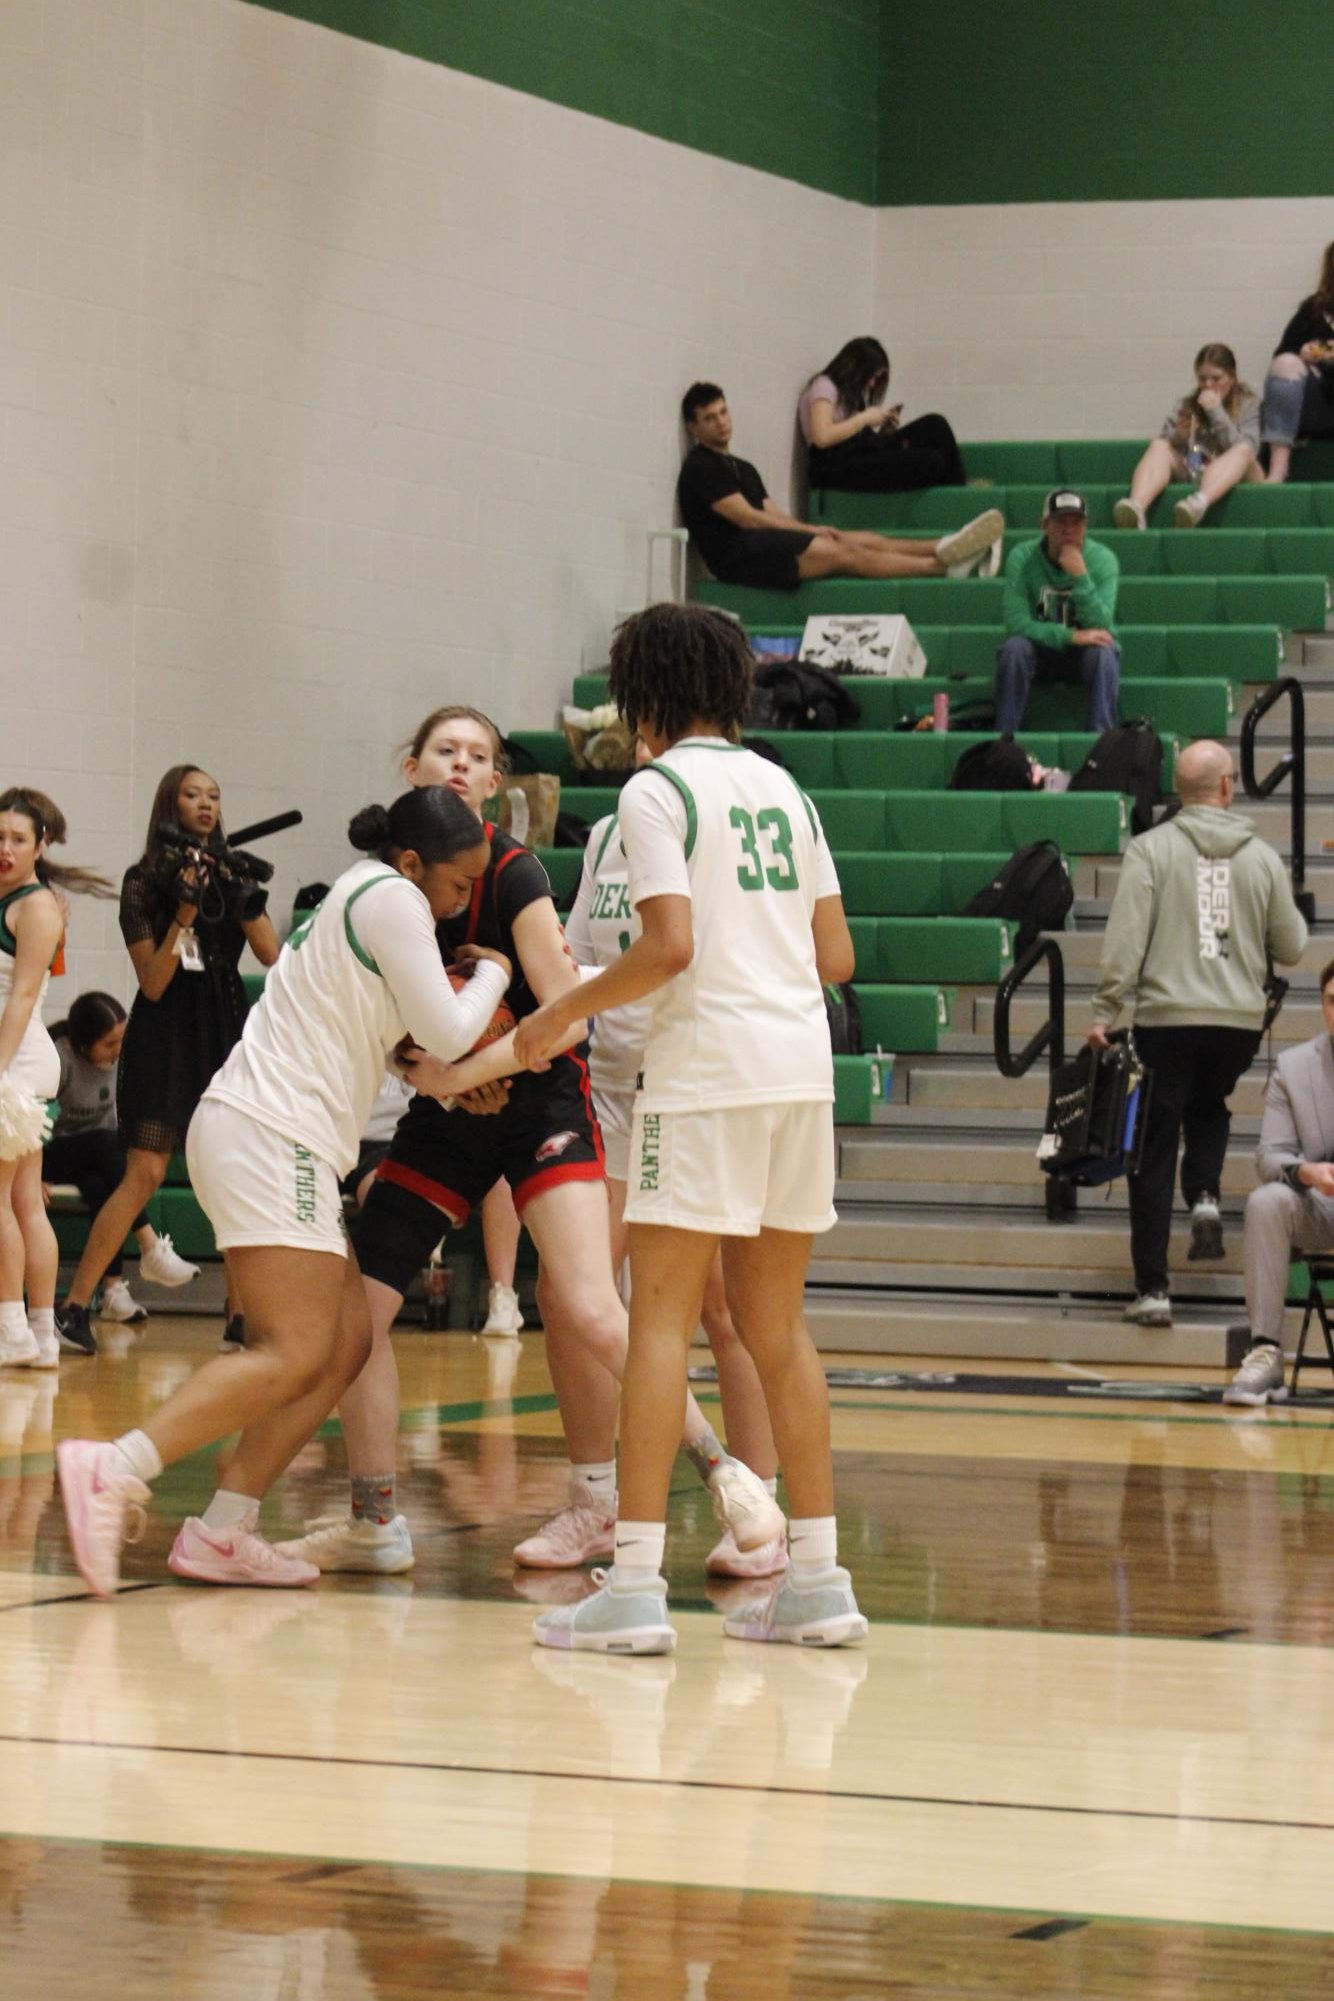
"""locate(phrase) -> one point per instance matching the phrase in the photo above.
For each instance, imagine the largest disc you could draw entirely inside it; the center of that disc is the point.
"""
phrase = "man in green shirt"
(1059, 608)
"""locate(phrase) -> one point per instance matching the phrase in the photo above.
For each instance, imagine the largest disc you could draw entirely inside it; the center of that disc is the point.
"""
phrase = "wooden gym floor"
(1088, 1751)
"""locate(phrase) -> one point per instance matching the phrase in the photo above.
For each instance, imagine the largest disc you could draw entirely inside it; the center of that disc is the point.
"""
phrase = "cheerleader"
(31, 927)
(275, 1130)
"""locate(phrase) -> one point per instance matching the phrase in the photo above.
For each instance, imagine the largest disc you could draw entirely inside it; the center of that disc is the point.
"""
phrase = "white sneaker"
(1188, 513)
(502, 1314)
(119, 1303)
(238, 1555)
(161, 1265)
(48, 1350)
(18, 1350)
(1259, 1380)
(1206, 1231)
(990, 564)
(744, 1505)
(582, 1532)
(617, 1619)
(967, 545)
(1151, 1309)
(726, 1560)
(338, 1542)
(820, 1612)
(1129, 514)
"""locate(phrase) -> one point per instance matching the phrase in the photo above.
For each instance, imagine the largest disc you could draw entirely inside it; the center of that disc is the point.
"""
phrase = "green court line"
(104, 1841)
(1148, 1408)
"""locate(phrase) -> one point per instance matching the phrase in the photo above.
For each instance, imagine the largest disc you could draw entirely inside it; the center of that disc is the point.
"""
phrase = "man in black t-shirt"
(746, 538)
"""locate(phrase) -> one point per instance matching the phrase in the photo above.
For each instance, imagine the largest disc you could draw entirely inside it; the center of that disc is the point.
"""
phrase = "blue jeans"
(1295, 410)
(1019, 660)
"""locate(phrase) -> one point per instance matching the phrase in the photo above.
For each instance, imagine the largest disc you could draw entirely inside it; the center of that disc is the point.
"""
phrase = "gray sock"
(373, 1498)
(705, 1453)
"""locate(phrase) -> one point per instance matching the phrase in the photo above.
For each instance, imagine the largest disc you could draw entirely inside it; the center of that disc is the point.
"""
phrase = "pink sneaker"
(582, 1532)
(726, 1560)
(99, 1496)
(237, 1555)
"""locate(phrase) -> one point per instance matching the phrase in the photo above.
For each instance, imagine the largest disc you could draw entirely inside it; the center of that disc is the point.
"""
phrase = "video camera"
(228, 881)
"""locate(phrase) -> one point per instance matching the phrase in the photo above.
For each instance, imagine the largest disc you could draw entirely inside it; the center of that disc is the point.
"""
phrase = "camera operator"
(188, 908)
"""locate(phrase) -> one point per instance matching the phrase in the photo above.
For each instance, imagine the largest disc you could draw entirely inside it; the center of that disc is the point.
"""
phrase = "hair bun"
(369, 829)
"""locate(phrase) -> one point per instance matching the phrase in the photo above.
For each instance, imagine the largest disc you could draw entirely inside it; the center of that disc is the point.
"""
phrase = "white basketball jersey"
(601, 926)
(745, 1023)
(312, 1056)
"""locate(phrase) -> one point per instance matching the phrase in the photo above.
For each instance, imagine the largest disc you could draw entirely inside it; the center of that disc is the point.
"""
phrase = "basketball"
(501, 1022)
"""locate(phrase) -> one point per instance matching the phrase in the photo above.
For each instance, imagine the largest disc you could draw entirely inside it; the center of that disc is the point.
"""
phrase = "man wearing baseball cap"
(1059, 608)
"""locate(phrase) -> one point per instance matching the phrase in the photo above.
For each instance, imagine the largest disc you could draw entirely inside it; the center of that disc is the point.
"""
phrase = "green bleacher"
(941, 508)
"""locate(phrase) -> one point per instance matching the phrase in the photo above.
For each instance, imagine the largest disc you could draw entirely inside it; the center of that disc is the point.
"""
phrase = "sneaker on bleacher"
(161, 1265)
(966, 548)
(1129, 514)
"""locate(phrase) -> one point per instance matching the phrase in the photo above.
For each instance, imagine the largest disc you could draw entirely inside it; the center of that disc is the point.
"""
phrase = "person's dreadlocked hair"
(675, 664)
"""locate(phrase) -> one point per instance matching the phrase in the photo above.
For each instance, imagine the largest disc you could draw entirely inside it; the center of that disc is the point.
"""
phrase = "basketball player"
(732, 1138)
(275, 1130)
(600, 927)
(546, 1144)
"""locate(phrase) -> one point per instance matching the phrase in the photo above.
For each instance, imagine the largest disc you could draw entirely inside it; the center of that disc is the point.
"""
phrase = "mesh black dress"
(174, 1045)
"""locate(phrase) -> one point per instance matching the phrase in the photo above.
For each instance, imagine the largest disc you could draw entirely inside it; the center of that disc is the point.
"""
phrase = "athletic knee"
(1287, 368)
(145, 1174)
(1273, 1204)
(395, 1235)
(1016, 654)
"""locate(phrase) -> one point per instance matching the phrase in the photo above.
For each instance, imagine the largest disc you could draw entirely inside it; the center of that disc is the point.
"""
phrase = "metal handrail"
(1291, 764)
(1051, 1036)
(1060, 1196)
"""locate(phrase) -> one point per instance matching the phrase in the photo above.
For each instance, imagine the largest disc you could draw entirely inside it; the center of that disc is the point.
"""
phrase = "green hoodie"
(1200, 901)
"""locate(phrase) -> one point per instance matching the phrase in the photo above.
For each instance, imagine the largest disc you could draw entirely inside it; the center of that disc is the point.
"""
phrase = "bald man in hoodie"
(1201, 906)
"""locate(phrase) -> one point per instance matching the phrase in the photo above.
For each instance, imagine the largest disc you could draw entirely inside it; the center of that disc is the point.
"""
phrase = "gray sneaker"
(1128, 514)
(1151, 1309)
(1260, 1378)
(613, 1621)
(821, 1612)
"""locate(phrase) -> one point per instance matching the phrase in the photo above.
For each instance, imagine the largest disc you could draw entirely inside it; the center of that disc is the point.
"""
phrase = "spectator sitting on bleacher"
(85, 1147)
(746, 539)
(1299, 388)
(856, 445)
(1211, 437)
(1059, 607)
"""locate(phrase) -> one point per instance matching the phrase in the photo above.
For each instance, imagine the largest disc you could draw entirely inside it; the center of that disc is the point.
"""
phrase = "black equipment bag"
(1096, 1115)
(963, 716)
(1033, 890)
(789, 696)
(845, 1019)
(999, 766)
(1127, 759)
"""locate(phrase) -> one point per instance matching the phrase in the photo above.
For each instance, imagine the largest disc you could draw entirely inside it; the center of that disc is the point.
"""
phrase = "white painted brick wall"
(333, 386)
(1081, 320)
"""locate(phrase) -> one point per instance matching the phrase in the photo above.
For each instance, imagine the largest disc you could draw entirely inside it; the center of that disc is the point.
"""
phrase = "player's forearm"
(639, 972)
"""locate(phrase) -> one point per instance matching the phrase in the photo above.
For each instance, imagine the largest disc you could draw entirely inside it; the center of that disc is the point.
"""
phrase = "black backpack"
(1033, 890)
(1128, 759)
(789, 696)
(999, 766)
(1096, 1115)
(845, 1019)
(963, 716)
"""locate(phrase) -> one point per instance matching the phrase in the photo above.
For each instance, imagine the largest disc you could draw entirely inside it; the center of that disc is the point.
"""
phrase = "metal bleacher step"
(960, 1326)
(936, 1086)
(869, 1240)
(892, 1164)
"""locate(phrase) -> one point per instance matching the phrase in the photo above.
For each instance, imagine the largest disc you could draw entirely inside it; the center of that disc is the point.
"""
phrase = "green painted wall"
(898, 102)
(1050, 100)
(788, 86)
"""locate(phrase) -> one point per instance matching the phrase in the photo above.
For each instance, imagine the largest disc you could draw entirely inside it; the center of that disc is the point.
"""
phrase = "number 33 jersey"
(745, 1023)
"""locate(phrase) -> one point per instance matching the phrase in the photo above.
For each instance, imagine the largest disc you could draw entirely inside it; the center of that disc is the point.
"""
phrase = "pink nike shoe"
(237, 1555)
(100, 1497)
(726, 1560)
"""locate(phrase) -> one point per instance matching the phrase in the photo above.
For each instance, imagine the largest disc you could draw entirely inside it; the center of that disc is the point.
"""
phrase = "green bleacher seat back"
(1007, 462)
(1081, 823)
(852, 819)
(886, 762)
(808, 755)
(549, 749)
(944, 822)
(903, 1019)
(253, 982)
(889, 885)
(962, 875)
(974, 950)
(1082, 462)
(590, 802)
(564, 866)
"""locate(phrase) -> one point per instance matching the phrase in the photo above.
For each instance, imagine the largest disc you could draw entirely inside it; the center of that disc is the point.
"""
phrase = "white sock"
(42, 1320)
(812, 1545)
(599, 1478)
(13, 1318)
(227, 1510)
(639, 1552)
(140, 1454)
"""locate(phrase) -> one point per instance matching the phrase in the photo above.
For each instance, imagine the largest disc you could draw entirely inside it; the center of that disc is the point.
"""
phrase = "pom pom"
(25, 1123)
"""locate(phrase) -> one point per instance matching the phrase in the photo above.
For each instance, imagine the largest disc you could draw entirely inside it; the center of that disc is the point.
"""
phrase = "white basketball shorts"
(735, 1171)
(259, 1188)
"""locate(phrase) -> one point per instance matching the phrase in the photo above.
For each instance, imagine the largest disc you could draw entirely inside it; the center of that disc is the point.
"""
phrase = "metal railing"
(1291, 764)
(1062, 1199)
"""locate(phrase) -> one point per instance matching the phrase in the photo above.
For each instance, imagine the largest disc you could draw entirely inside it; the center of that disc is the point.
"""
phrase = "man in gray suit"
(1293, 1208)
